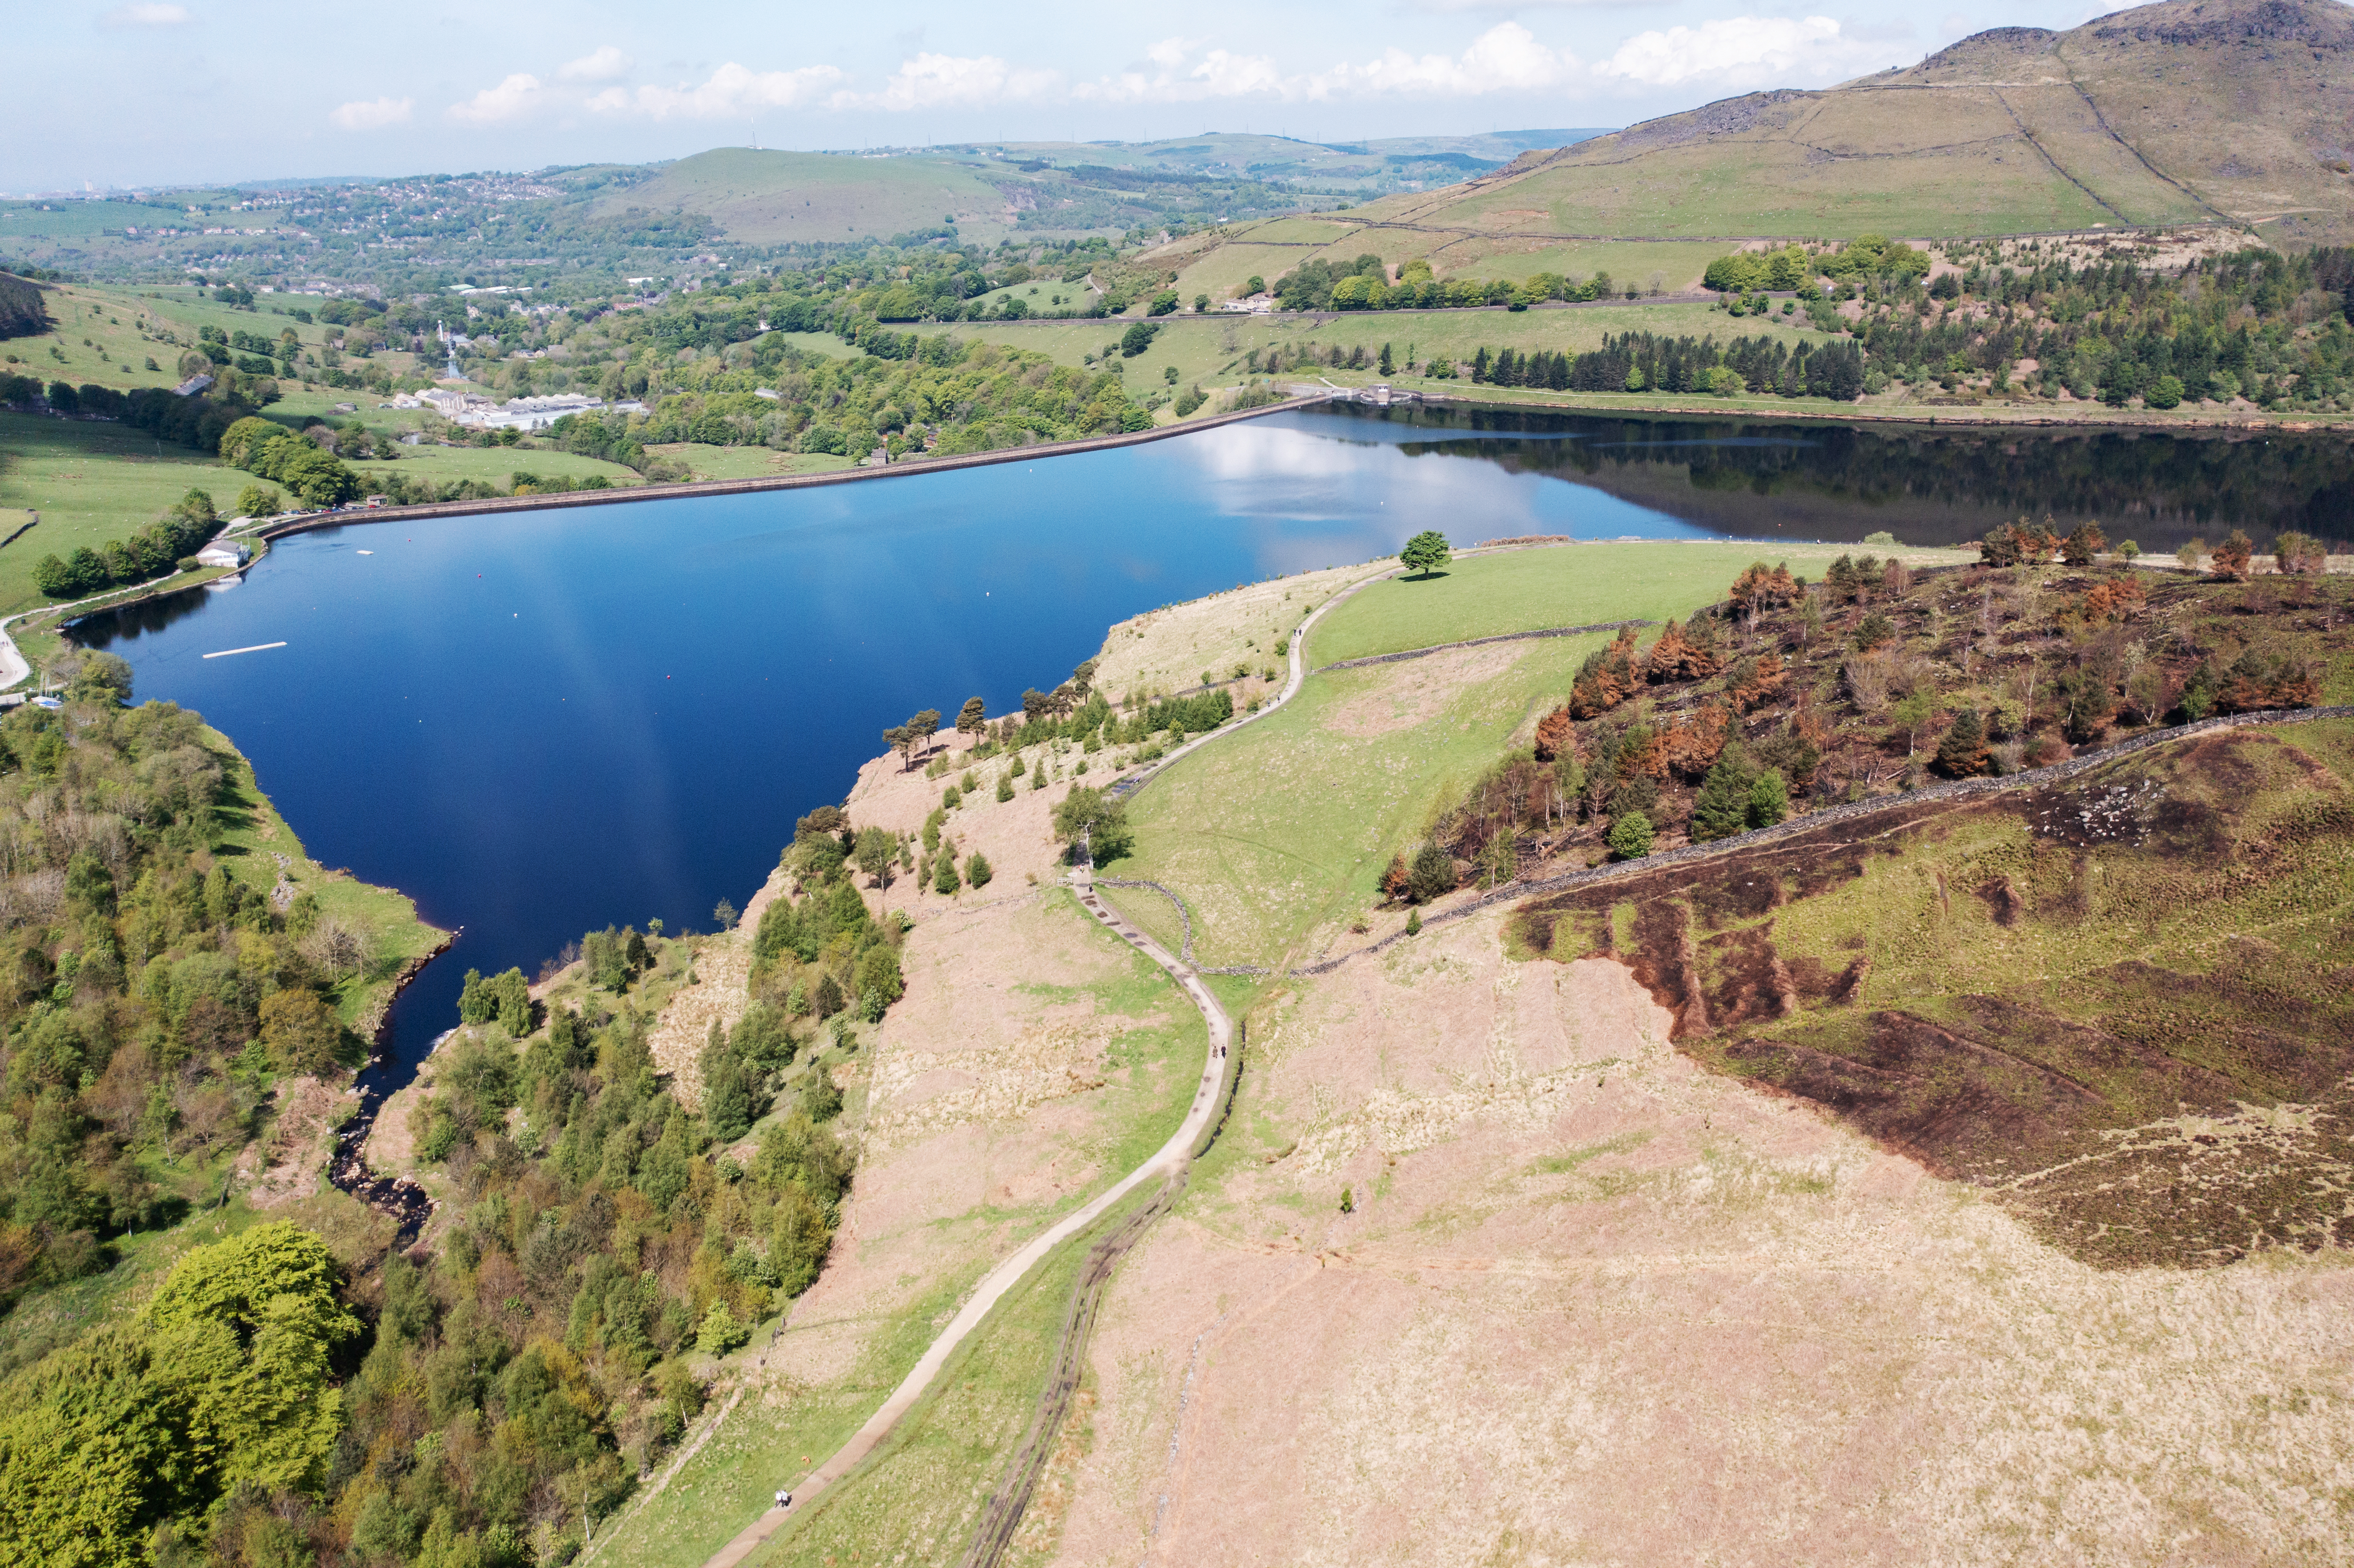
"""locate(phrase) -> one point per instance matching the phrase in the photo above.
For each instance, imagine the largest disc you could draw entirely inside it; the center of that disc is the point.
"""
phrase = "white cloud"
(953, 82)
(1743, 52)
(146, 13)
(1507, 58)
(606, 64)
(732, 93)
(511, 99)
(374, 113)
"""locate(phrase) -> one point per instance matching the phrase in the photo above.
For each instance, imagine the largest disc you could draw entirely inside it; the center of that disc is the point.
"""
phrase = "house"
(192, 386)
(224, 553)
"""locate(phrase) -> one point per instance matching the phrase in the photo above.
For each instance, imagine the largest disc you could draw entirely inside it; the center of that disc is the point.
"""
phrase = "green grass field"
(1279, 832)
(1521, 590)
(748, 462)
(493, 465)
(90, 483)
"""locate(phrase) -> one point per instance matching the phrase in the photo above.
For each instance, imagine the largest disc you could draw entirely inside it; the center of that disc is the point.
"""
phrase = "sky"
(192, 91)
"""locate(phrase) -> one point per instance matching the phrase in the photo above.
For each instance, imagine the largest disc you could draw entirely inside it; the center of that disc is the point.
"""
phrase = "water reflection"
(1928, 484)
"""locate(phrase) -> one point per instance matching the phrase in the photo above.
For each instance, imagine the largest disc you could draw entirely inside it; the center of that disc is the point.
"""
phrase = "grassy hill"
(2188, 112)
(776, 198)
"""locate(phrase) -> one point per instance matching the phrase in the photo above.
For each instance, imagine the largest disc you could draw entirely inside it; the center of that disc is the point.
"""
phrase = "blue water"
(540, 723)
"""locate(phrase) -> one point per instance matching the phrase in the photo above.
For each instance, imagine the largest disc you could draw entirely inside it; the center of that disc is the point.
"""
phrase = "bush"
(1631, 836)
(977, 870)
(2233, 556)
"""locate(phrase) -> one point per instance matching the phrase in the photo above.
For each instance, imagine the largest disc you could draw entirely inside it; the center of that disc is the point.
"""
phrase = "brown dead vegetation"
(2054, 1097)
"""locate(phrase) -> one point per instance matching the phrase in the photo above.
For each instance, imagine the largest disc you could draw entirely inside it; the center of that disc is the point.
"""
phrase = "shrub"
(1631, 836)
(2233, 556)
(977, 870)
(2300, 554)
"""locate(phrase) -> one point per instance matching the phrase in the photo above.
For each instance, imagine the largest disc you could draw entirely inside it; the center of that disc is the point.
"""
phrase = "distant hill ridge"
(2191, 110)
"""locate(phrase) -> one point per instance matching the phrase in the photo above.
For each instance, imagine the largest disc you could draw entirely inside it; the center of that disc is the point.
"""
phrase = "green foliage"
(153, 552)
(1769, 799)
(223, 1382)
(977, 870)
(720, 1332)
(1432, 876)
(1631, 836)
(1426, 553)
(1089, 815)
(1722, 808)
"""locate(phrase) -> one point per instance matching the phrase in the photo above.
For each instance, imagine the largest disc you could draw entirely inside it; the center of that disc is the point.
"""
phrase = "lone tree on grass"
(1426, 553)
(1089, 815)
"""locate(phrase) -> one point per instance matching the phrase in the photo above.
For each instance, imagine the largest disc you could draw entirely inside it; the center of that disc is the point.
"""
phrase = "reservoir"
(540, 723)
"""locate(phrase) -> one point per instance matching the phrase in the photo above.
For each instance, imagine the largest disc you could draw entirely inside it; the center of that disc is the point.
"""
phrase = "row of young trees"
(1638, 362)
(163, 546)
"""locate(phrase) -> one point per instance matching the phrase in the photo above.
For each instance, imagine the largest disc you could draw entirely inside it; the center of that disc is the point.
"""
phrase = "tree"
(723, 914)
(922, 727)
(1137, 338)
(977, 870)
(1433, 875)
(2083, 542)
(1769, 799)
(943, 875)
(1912, 711)
(971, 718)
(1388, 365)
(299, 1032)
(1089, 815)
(259, 501)
(874, 852)
(727, 1096)
(1962, 754)
(720, 1332)
(1721, 807)
(1426, 553)
(1631, 836)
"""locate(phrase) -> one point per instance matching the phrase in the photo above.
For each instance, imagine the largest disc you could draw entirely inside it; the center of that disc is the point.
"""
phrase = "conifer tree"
(1722, 808)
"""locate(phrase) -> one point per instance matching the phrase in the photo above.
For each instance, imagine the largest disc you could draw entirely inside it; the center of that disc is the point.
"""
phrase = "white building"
(224, 553)
(476, 412)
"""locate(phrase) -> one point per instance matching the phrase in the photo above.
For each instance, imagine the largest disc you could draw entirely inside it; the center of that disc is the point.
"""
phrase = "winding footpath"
(1168, 1162)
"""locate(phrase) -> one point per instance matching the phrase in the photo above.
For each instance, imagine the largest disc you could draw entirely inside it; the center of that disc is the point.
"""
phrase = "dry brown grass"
(1167, 650)
(1597, 1306)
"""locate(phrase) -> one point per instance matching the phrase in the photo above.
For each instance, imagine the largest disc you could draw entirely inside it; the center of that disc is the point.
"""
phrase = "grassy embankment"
(920, 1491)
(1276, 836)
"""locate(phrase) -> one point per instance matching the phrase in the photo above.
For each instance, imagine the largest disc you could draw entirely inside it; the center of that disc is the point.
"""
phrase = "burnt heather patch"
(2122, 1005)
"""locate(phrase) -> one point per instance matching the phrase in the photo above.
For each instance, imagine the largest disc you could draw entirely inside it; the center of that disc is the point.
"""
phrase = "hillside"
(2188, 112)
(778, 198)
